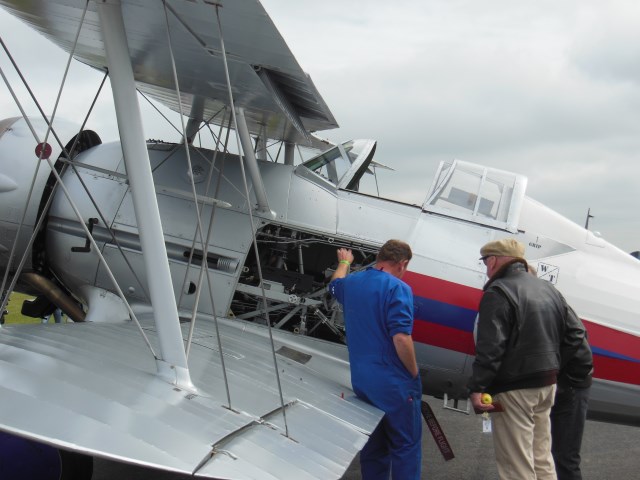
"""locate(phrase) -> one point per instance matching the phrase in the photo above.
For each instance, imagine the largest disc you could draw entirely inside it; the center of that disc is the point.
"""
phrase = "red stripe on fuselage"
(443, 290)
(613, 340)
(450, 338)
(616, 370)
(445, 337)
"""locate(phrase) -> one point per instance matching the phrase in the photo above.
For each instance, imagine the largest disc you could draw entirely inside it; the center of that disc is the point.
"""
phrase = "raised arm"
(345, 259)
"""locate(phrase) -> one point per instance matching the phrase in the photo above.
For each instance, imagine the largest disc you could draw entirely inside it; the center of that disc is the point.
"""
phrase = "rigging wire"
(375, 176)
(68, 154)
(204, 268)
(60, 183)
(199, 229)
(209, 283)
(158, 110)
(5, 300)
(46, 137)
(251, 221)
(204, 265)
(184, 131)
(193, 242)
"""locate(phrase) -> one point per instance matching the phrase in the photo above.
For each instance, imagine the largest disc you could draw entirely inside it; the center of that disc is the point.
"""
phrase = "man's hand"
(345, 254)
(405, 350)
(345, 259)
(477, 402)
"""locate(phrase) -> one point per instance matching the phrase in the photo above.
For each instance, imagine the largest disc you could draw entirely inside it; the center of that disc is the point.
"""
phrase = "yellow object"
(486, 399)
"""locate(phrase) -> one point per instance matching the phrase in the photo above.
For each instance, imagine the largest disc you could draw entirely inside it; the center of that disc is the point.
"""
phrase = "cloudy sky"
(547, 89)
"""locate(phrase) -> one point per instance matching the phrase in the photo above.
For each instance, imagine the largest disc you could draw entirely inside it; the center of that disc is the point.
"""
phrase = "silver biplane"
(203, 339)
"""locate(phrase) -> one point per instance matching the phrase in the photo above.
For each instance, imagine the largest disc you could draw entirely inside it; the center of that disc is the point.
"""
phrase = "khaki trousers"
(522, 434)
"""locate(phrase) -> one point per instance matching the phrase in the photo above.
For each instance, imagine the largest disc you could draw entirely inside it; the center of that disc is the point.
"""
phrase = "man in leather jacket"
(525, 328)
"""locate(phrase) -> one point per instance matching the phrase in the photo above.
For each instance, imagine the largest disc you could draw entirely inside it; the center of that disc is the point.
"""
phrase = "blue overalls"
(377, 306)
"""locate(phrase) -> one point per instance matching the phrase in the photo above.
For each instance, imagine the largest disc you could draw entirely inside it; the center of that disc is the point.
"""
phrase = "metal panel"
(94, 388)
(312, 204)
(370, 218)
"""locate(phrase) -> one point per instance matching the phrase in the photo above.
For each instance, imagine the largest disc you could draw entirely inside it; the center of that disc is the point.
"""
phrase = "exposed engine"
(296, 268)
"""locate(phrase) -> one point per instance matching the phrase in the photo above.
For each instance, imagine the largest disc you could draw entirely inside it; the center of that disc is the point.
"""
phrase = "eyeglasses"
(484, 258)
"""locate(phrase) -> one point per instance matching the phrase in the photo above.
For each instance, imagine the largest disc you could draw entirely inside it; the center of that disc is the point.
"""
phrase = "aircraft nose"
(22, 182)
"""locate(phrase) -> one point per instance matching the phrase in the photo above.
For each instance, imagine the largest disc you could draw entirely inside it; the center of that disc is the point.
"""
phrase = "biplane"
(203, 339)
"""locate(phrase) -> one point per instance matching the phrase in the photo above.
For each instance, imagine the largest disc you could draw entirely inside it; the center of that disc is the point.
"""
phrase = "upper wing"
(278, 97)
(93, 388)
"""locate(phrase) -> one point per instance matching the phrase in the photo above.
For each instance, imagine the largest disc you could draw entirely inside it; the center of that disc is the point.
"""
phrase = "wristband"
(346, 262)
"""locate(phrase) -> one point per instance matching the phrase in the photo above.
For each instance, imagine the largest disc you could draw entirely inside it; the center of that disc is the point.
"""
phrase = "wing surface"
(278, 97)
(93, 388)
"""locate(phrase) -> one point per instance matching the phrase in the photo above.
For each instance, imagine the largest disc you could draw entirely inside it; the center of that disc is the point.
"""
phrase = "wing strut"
(172, 364)
(252, 163)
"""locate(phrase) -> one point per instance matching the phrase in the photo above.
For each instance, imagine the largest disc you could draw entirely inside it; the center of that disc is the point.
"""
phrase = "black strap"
(436, 431)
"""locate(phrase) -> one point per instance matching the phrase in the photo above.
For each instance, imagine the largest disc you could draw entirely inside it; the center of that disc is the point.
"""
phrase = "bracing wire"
(68, 154)
(253, 230)
(184, 131)
(199, 230)
(67, 194)
(55, 108)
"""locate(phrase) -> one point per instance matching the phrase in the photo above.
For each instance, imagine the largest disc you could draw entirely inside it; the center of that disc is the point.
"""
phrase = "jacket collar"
(515, 264)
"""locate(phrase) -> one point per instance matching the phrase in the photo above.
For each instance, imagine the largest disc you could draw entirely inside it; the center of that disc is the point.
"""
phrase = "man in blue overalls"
(378, 315)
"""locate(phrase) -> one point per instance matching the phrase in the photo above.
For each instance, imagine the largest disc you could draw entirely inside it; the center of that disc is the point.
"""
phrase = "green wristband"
(346, 262)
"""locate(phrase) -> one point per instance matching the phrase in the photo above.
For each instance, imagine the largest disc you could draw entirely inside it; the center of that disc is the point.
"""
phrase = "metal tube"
(173, 362)
(261, 145)
(50, 290)
(252, 163)
(289, 149)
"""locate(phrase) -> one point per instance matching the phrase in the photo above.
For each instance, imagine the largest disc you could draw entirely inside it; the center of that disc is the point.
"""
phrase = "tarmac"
(609, 452)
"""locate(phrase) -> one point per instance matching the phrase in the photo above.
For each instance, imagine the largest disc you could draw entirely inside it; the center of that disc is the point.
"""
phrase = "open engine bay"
(296, 268)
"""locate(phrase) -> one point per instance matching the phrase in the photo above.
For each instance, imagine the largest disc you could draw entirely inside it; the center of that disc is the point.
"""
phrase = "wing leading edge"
(93, 388)
(278, 97)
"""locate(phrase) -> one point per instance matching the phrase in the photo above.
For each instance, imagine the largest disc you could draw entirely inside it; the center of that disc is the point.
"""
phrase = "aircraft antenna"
(589, 216)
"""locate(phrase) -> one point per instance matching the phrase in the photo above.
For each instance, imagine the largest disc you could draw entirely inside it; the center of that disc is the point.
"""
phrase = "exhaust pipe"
(55, 295)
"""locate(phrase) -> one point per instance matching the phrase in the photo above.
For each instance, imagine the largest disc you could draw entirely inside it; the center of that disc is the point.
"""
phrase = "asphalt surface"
(609, 452)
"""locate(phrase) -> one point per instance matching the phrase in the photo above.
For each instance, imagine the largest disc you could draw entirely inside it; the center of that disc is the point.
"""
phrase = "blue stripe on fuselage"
(444, 314)
(610, 354)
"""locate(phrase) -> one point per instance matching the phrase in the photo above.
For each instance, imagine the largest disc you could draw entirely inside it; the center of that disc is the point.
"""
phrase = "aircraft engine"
(26, 179)
(296, 267)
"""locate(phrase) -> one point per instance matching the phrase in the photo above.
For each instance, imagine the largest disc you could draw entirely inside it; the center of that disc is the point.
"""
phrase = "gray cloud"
(547, 89)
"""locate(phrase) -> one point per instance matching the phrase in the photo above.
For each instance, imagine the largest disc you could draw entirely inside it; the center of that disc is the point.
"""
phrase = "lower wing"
(93, 388)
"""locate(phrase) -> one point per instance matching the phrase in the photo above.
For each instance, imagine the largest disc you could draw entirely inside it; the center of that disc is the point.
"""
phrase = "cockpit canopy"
(463, 190)
(478, 194)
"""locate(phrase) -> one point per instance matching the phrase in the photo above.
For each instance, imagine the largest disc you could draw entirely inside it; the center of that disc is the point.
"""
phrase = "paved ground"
(610, 452)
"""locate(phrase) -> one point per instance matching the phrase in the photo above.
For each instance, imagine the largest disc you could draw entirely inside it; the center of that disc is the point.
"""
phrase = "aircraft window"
(331, 164)
(477, 193)
(344, 165)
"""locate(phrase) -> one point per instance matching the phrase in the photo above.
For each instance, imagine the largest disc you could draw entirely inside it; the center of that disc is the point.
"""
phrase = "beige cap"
(506, 247)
